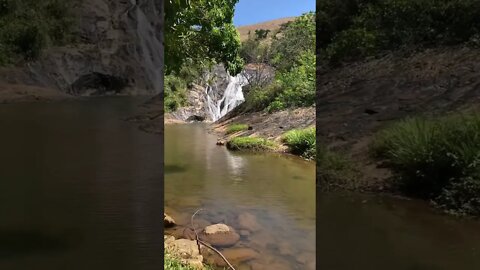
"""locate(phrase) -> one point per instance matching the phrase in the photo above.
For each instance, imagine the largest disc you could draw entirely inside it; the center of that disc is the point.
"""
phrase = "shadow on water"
(174, 169)
(14, 243)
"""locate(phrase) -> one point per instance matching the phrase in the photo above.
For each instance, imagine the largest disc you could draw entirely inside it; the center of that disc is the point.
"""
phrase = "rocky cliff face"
(119, 49)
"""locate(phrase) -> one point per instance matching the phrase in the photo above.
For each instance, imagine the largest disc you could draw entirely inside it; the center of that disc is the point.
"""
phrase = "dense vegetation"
(291, 52)
(301, 142)
(354, 29)
(250, 143)
(437, 159)
(198, 34)
(335, 170)
(27, 27)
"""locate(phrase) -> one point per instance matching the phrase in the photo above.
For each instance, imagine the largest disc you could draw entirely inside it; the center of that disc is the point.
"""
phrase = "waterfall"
(231, 98)
(150, 49)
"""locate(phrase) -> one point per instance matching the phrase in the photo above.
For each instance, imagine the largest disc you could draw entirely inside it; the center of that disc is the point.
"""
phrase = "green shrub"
(301, 142)
(353, 29)
(27, 27)
(434, 158)
(260, 98)
(236, 128)
(175, 93)
(250, 143)
(335, 170)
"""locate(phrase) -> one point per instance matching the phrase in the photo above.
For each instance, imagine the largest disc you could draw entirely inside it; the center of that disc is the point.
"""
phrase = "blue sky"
(255, 11)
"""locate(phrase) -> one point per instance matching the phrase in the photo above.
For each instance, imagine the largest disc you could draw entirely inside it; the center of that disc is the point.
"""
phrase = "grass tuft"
(233, 128)
(437, 159)
(334, 170)
(250, 143)
(301, 142)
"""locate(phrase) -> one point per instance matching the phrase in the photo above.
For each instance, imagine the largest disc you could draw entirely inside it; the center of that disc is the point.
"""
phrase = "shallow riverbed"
(278, 190)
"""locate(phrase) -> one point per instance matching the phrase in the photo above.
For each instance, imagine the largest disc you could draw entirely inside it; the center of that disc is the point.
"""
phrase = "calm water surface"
(79, 187)
(366, 232)
(278, 190)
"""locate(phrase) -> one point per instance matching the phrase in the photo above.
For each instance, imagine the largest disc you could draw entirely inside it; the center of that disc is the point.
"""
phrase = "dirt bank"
(266, 125)
(358, 99)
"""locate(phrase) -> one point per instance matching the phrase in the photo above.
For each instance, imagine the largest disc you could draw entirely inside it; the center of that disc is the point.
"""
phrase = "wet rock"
(219, 235)
(220, 142)
(167, 239)
(249, 222)
(240, 255)
(201, 223)
(186, 251)
(244, 233)
(168, 221)
(235, 256)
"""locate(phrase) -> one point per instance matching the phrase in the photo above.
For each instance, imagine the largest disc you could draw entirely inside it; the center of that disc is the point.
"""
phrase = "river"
(80, 188)
(380, 232)
(278, 190)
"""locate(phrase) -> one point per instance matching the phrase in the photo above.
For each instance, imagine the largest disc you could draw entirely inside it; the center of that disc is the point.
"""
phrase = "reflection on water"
(277, 190)
(366, 232)
(79, 187)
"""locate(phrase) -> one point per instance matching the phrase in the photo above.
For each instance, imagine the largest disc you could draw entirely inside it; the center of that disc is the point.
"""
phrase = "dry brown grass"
(268, 25)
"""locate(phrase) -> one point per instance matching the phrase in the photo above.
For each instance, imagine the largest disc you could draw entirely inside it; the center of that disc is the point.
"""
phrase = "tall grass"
(250, 143)
(334, 170)
(301, 142)
(436, 158)
(236, 128)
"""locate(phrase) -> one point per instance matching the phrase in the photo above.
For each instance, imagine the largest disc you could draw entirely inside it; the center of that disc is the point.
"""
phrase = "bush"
(175, 93)
(352, 29)
(236, 128)
(250, 143)
(301, 142)
(27, 27)
(334, 170)
(292, 54)
(435, 158)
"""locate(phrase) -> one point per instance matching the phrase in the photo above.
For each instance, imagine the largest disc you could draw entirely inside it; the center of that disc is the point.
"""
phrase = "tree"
(296, 38)
(202, 32)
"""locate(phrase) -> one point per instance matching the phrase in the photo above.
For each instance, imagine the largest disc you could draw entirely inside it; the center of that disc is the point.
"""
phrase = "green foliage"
(177, 85)
(201, 31)
(298, 84)
(297, 38)
(292, 53)
(301, 142)
(437, 159)
(261, 34)
(27, 27)
(236, 128)
(175, 93)
(255, 51)
(353, 29)
(259, 98)
(334, 170)
(250, 143)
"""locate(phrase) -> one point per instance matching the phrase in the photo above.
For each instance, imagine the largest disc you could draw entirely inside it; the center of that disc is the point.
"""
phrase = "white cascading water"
(151, 48)
(232, 97)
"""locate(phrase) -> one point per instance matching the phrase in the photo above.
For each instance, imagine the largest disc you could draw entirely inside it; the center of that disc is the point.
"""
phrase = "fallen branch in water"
(206, 244)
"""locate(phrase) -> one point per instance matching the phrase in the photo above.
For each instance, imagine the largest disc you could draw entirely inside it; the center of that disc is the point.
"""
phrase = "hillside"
(359, 99)
(268, 25)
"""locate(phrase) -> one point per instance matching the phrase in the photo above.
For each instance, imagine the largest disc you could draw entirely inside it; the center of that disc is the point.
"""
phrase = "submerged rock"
(248, 222)
(235, 256)
(219, 235)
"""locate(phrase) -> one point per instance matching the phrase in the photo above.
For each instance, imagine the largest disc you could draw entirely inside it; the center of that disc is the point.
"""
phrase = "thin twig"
(206, 244)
